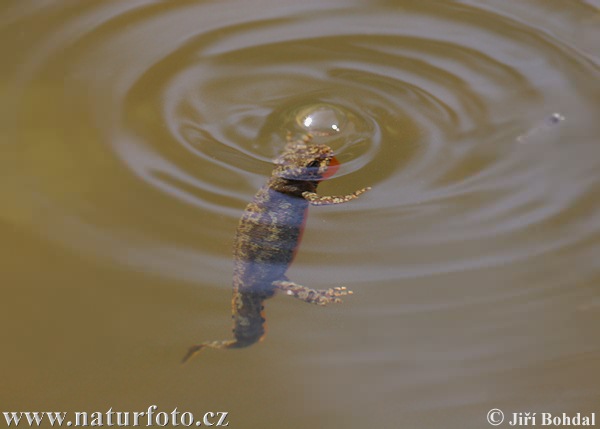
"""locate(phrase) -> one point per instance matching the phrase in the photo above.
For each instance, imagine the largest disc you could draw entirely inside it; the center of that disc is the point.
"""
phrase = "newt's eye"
(314, 164)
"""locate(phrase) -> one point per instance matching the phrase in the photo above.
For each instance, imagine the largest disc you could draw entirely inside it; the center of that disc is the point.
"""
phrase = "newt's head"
(307, 162)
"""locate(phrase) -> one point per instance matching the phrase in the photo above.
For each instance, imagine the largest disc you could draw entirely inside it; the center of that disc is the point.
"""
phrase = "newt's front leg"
(312, 296)
(316, 200)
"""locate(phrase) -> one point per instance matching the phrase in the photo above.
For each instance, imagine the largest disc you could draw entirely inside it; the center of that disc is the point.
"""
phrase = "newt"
(267, 239)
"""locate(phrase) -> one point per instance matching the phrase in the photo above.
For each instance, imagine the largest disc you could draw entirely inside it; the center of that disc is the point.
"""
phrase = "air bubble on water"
(322, 120)
(540, 131)
(555, 118)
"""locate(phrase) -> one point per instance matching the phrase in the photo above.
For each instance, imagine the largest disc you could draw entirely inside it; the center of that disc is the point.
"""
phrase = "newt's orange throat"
(268, 236)
(334, 166)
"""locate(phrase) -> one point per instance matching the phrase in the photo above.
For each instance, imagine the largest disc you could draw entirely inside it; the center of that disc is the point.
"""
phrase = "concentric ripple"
(173, 112)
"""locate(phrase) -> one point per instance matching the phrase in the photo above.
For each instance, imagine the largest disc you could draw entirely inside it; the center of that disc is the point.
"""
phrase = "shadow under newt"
(268, 236)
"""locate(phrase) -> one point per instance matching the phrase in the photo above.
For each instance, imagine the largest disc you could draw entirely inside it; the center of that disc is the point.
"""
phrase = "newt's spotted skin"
(268, 236)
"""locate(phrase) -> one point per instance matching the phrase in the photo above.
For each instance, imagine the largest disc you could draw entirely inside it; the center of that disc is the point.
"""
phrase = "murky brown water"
(134, 133)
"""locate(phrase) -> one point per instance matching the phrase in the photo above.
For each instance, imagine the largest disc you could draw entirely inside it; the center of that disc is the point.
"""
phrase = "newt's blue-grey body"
(268, 236)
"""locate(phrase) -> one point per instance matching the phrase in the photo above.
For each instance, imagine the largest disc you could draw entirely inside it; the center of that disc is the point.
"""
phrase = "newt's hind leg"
(313, 296)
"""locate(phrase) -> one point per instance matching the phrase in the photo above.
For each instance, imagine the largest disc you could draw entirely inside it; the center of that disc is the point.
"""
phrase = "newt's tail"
(248, 325)
(227, 344)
